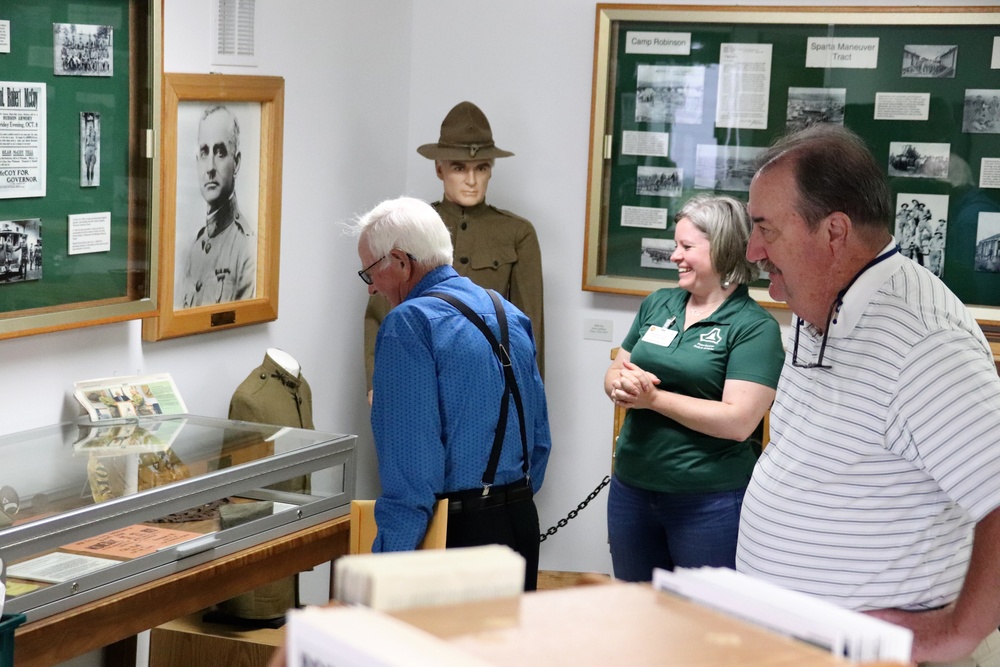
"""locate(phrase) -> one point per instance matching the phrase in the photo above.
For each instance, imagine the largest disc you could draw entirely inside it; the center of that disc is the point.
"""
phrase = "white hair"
(406, 224)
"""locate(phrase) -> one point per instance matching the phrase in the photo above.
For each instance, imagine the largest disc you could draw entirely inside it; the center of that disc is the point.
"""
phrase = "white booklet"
(57, 567)
(362, 637)
(845, 633)
(428, 577)
(130, 397)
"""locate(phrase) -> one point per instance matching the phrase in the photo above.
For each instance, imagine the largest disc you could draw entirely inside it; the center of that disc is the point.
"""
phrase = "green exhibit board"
(74, 187)
(684, 101)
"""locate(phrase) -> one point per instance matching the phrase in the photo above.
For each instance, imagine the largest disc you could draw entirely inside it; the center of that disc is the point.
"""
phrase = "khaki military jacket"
(270, 395)
(496, 250)
(222, 261)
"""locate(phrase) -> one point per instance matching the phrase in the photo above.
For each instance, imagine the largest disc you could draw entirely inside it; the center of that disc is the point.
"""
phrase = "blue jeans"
(650, 529)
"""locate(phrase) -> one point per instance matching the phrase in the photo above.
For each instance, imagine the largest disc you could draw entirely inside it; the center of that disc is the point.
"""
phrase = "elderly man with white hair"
(459, 409)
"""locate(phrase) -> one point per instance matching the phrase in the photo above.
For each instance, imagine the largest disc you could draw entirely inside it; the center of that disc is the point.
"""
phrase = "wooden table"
(113, 622)
(614, 624)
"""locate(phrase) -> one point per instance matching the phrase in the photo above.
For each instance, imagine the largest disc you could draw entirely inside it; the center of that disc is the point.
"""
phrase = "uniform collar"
(271, 368)
(454, 209)
(221, 218)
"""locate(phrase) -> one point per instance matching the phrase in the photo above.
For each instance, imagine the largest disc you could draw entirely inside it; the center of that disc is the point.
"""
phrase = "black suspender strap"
(501, 350)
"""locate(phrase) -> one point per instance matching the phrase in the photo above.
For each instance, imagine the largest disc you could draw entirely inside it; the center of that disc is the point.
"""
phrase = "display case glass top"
(86, 506)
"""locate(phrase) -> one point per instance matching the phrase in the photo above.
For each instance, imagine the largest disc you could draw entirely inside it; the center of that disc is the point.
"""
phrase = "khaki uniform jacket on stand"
(271, 395)
(496, 250)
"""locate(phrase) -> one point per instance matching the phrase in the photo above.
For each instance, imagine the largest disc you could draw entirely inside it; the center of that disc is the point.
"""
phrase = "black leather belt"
(473, 499)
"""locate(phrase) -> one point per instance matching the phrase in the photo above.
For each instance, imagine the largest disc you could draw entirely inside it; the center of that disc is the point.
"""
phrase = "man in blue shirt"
(438, 388)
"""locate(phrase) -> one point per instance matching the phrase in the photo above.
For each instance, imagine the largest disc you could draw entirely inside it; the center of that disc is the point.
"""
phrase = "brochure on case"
(132, 541)
(56, 567)
(129, 398)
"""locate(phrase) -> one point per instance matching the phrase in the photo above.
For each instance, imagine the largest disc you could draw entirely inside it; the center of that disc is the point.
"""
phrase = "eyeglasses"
(822, 346)
(363, 273)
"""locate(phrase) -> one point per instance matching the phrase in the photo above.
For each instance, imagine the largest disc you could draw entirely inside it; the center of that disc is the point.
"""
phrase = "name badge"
(659, 336)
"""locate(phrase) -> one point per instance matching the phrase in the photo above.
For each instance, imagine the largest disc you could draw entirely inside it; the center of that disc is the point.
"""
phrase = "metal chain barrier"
(572, 513)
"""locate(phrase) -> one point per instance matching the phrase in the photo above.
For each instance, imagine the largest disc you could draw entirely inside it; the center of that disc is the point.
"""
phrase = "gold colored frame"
(602, 106)
(268, 91)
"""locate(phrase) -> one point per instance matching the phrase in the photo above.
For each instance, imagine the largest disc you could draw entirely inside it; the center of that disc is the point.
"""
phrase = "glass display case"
(91, 509)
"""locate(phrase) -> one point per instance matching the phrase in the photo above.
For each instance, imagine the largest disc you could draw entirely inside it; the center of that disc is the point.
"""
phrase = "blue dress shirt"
(436, 399)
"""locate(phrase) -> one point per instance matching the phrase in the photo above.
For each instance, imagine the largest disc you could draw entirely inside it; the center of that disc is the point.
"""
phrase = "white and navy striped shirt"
(879, 467)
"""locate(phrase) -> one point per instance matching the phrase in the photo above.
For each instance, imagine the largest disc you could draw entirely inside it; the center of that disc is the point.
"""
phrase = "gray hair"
(234, 132)
(406, 224)
(725, 222)
(834, 171)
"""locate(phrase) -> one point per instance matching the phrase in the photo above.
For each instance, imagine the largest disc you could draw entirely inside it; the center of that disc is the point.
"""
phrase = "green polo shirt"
(739, 341)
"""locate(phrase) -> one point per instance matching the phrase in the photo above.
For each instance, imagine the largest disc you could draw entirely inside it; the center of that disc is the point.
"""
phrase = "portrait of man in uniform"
(218, 175)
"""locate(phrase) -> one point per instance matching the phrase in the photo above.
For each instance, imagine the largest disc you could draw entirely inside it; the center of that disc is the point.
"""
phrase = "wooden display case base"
(191, 642)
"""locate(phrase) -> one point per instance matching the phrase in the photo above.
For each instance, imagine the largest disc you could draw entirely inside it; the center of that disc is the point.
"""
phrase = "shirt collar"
(431, 280)
(860, 294)
(731, 304)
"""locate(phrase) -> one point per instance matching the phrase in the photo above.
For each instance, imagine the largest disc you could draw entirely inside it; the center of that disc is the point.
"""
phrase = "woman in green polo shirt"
(697, 370)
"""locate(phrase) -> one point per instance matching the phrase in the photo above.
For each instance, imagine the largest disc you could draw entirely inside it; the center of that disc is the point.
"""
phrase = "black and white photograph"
(725, 167)
(659, 181)
(20, 250)
(83, 50)
(988, 243)
(669, 94)
(981, 111)
(218, 180)
(90, 149)
(930, 61)
(656, 253)
(919, 160)
(809, 106)
(922, 229)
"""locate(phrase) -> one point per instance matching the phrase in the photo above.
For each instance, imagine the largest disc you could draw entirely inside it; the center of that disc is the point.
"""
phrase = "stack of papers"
(848, 634)
(359, 637)
(405, 579)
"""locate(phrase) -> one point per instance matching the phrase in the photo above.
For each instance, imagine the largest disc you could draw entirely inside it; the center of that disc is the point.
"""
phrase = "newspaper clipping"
(22, 140)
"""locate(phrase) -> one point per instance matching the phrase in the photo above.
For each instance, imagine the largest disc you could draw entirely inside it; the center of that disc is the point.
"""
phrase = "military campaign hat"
(465, 135)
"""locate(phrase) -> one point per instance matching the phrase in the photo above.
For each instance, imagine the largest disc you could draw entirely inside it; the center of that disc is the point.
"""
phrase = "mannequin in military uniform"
(222, 262)
(493, 247)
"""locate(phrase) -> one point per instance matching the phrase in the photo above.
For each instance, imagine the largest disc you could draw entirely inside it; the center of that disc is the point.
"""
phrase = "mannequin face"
(465, 181)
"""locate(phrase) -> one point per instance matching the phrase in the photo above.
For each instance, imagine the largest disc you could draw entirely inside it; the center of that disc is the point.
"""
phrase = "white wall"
(365, 83)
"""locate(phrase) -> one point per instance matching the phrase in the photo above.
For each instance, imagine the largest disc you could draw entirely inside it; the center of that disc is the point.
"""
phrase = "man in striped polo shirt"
(880, 487)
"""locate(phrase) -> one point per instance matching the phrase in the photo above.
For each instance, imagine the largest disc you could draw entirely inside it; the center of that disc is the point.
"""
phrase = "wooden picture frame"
(646, 160)
(221, 206)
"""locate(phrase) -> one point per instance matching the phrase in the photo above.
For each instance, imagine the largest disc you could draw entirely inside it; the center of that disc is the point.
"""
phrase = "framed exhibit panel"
(684, 98)
(221, 203)
(79, 104)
